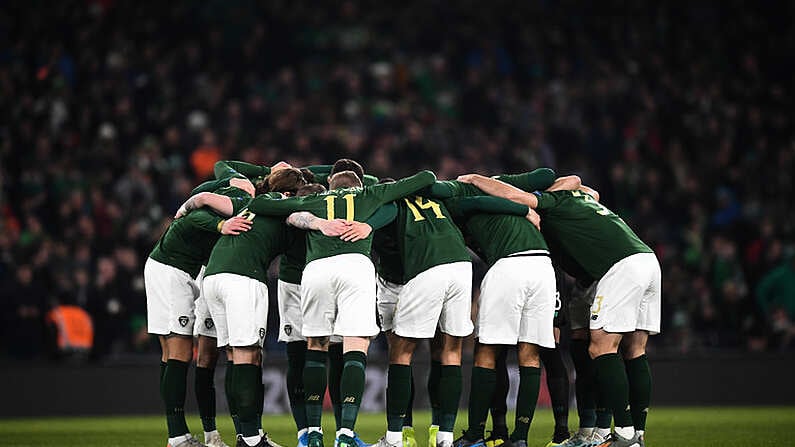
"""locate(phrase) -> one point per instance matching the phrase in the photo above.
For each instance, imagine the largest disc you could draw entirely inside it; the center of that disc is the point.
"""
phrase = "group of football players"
(355, 251)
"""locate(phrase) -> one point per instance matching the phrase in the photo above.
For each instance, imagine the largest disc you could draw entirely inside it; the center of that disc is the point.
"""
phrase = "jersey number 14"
(423, 204)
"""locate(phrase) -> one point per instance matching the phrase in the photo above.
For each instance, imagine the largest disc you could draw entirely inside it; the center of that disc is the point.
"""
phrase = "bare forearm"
(220, 204)
(567, 183)
(497, 188)
(304, 220)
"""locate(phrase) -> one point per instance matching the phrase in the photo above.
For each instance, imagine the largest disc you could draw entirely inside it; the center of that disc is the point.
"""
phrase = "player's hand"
(468, 178)
(181, 211)
(280, 165)
(236, 225)
(244, 184)
(356, 232)
(334, 227)
(534, 218)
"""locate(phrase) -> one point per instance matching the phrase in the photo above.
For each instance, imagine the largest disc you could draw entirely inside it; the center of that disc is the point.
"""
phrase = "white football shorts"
(629, 296)
(338, 297)
(517, 302)
(170, 297)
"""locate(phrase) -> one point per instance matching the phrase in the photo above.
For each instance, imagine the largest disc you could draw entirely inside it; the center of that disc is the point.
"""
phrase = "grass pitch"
(667, 427)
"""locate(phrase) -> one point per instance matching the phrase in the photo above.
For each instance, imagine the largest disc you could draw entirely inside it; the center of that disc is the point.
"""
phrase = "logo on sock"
(208, 323)
(288, 329)
(349, 400)
(313, 397)
(183, 321)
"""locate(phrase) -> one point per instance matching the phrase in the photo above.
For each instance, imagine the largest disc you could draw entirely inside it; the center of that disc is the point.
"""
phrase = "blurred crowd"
(680, 114)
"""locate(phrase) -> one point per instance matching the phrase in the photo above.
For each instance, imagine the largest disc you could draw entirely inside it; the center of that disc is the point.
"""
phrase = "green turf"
(668, 427)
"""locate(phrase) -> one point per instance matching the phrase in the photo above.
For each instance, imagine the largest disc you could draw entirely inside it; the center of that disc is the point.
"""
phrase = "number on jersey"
(330, 199)
(424, 204)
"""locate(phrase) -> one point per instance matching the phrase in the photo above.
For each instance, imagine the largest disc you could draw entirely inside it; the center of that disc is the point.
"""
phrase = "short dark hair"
(309, 176)
(344, 179)
(346, 164)
(383, 180)
(286, 180)
(311, 188)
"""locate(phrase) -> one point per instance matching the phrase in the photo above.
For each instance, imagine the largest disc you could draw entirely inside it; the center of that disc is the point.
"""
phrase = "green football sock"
(529, 382)
(245, 386)
(639, 377)
(260, 397)
(175, 381)
(398, 394)
(408, 420)
(480, 395)
(335, 366)
(558, 385)
(449, 396)
(204, 386)
(611, 379)
(584, 386)
(604, 415)
(433, 390)
(499, 405)
(160, 382)
(352, 387)
(230, 394)
(296, 356)
(314, 386)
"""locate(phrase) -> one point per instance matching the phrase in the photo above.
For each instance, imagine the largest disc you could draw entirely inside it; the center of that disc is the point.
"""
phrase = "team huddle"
(359, 255)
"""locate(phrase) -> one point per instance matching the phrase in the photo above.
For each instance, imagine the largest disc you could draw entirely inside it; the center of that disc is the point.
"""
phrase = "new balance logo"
(523, 419)
(313, 397)
(349, 400)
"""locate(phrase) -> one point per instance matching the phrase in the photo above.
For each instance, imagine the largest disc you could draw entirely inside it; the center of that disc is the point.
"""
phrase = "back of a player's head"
(346, 164)
(286, 180)
(311, 188)
(309, 176)
(344, 179)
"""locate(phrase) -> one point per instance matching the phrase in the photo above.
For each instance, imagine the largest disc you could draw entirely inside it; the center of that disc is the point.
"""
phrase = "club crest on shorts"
(288, 329)
(208, 323)
(183, 321)
(262, 333)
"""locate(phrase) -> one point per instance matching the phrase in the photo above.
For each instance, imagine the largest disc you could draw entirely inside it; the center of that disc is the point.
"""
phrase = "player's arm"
(212, 223)
(266, 205)
(361, 230)
(566, 183)
(305, 220)
(370, 180)
(219, 203)
(225, 174)
(445, 189)
(228, 168)
(463, 206)
(497, 188)
(389, 192)
(535, 180)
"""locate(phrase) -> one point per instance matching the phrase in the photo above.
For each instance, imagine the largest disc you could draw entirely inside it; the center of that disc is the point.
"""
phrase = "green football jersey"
(427, 236)
(292, 263)
(351, 204)
(587, 232)
(495, 236)
(250, 253)
(389, 264)
(187, 242)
